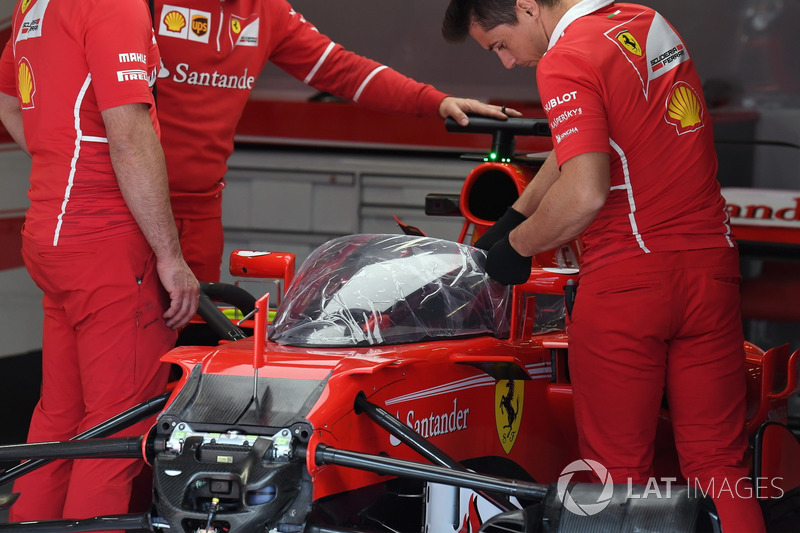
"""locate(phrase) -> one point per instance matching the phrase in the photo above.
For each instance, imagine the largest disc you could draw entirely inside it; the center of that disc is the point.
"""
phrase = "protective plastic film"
(369, 290)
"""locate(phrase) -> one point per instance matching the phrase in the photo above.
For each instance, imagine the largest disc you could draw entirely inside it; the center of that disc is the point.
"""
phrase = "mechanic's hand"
(457, 108)
(510, 220)
(183, 289)
(505, 265)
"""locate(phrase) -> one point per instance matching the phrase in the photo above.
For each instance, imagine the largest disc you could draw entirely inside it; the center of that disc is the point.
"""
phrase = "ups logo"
(199, 25)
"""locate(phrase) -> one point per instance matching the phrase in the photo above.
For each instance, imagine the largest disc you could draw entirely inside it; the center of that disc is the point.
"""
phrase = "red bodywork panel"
(435, 388)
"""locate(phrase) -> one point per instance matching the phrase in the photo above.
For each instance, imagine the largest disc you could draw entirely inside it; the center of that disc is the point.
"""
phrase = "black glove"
(510, 220)
(506, 265)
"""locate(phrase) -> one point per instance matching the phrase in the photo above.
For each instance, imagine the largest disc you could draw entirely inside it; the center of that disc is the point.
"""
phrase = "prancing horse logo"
(508, 402)
(629, 42)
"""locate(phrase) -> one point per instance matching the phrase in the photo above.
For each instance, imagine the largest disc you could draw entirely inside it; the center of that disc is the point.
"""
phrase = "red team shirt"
(214, 51)
(62, 80)
(618, 79)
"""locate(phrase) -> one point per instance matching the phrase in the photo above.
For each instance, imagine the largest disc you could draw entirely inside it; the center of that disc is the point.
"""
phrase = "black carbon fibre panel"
(213, 401)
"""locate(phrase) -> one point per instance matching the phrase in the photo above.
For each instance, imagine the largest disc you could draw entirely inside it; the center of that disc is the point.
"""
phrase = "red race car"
(396, 388)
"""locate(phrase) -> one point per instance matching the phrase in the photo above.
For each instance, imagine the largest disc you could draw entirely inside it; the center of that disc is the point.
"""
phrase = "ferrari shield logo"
(629, 42)
(508, 402)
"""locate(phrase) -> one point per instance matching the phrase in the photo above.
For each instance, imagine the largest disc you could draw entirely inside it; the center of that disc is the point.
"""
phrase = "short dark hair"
(488, 14)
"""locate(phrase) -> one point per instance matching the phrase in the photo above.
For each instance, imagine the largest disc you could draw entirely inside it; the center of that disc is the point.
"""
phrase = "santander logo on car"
(763, 207)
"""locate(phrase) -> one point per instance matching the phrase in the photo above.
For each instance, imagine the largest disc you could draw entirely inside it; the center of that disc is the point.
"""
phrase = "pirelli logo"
(132, 75)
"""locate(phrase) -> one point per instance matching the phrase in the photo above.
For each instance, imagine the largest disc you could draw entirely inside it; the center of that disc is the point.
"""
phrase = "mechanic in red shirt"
(99, 238)
(633, 173)
(212, 51)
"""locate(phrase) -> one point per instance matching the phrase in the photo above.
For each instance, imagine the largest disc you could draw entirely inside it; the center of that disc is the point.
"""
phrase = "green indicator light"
(493, 156)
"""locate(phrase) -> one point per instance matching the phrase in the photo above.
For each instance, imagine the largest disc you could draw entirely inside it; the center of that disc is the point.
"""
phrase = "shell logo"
(684, 109)
(236, 26)
(26, 85)
(174, 21)
(24, 5)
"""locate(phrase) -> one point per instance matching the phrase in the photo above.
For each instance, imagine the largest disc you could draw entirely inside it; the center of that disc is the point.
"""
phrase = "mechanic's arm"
(457, 108)
(528, 202)
(11, 116)
(568, 206)
(138, 162)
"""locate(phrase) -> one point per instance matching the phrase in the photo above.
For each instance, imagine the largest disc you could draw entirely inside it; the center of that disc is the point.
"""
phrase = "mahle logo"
(585, 508)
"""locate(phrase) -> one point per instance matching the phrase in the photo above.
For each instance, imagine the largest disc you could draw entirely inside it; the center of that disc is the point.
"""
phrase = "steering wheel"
(217, 324)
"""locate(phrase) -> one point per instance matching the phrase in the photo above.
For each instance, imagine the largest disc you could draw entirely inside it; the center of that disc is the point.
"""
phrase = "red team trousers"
(103, 337)
(669, 323)
(202, 241)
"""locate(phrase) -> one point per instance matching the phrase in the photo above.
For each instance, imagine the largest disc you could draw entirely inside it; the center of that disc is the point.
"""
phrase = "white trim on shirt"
(319, 63)
(628, 188)
(581, 9)
(76, 110)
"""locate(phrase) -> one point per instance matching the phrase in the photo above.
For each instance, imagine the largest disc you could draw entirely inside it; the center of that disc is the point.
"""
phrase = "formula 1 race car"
(394, 387)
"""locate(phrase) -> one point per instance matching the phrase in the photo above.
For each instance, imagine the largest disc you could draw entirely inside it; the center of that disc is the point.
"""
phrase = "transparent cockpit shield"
(369, 290)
